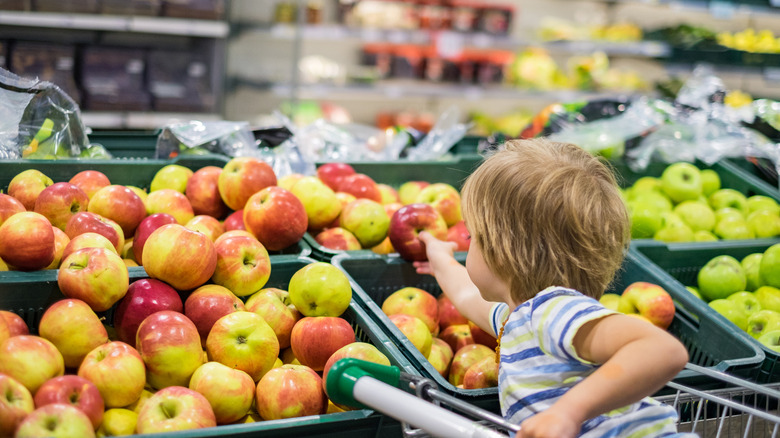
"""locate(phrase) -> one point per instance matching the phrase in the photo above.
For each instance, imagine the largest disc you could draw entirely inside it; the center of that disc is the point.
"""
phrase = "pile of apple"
(687, 204)
(746, 292)
(646, 301)
(169, 365)
(461, 352)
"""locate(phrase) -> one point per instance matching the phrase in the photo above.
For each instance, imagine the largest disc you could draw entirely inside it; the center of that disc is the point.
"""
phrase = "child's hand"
(435, 249)
(549, 424)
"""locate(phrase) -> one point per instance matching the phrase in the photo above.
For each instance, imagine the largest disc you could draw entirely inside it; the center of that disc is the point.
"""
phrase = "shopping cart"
(739, 409)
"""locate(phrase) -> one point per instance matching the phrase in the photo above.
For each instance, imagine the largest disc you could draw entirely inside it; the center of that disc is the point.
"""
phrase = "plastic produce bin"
(127, 144)
(31, 301)
(709, 343)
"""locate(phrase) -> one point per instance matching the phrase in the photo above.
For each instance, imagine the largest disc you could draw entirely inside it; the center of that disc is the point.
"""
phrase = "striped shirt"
(539, 364)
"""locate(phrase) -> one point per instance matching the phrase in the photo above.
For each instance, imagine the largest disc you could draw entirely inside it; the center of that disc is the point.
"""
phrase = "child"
(548, 232)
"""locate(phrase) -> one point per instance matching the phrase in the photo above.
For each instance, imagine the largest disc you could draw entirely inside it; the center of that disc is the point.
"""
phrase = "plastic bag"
(229, 138)
(39, 121)
(445, 133)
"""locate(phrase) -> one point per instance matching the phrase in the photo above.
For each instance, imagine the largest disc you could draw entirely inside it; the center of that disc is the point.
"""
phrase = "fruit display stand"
(682, 262)
(32, 298)
(709, 343)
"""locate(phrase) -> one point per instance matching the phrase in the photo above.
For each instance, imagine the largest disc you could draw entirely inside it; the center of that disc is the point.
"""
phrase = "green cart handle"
(345, 372)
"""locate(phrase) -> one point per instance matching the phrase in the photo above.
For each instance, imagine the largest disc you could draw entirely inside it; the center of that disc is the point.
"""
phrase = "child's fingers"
(423, 267)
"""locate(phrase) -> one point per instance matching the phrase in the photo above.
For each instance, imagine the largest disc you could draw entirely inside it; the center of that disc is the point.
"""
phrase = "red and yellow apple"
(203, 192)
(27, 241)
(27, 185)
(315, 339)
(90, 181)
(183, 258)
(175, 408)
(96, 276)
(74, 328)
(408, 222)
(121, 205)
(243, 340)
(230, 391)
(415, 302)
(172, 202)
(275, 307)
(30, 360)
(169, 345)
(243, 265)
(276, 217)
(290, 391)
(207, 304)
(117, 371)
(59, 201)
(241, 178)
(143, 298)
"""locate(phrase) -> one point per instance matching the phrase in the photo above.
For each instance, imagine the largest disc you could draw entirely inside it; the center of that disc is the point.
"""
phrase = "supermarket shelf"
(117, 23)
(139, 120)
(718, 8)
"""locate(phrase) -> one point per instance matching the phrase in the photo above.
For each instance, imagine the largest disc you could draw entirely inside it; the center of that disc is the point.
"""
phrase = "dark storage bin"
(180, 81)
(113, 79)
(46, 61)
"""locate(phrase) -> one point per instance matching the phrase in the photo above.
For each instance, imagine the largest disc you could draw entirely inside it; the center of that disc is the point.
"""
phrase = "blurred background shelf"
(140, 120)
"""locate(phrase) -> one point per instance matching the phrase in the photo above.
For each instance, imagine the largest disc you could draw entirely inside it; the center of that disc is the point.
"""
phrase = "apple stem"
(242, 340)
(51, 423)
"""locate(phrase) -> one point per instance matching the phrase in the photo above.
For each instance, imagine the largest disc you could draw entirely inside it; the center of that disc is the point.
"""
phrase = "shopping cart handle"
(345, 372)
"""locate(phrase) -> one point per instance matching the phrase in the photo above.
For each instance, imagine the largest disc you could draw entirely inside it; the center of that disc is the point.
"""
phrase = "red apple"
(27, 241)
(90, 181)
(172, 202)
(97, 276)
(415, 330)
(332, 174)
(169, 344)
(275, 307)
(9, 206)
(16, 324)
(234, 233)
(27, 185)
(243, 340)
(650, 301)
(338, 239)
(75, 390)
(407, 222)
(355, 350)
(243, 265)
(121, 205)
(74, 328)
(445, 199)
(315, 338)
(460, 235)
(360, 186)
(61, 240)
(409, 190)
(241, 178)
(207, 225)
(16, 403)
(5, 330)
(207, 304)
(145, 228)
(230, 392)
(465, 357)
(448, 313)
(457, 336)
(483, 374)
(87, 240)
(415, 302)
(235, 221)
(290, 391)
(203, 193)
(276, 217)
(175, 408)
(86, 222)
(58, 420)
(183, 258)
(482, 337)
(59, 202)
(144, 297)
(117, 371)
(31, 360)
(440, 356)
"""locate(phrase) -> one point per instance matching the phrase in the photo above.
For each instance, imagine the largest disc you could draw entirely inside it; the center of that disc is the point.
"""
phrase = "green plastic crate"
(709, 344)
(683, 261)
(127, 144)
(33, 298)
(752, 171)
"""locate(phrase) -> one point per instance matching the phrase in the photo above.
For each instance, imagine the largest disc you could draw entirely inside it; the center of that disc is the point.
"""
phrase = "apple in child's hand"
(118, 422)
(445, 199)
(78, 391)
(59, 202)
(74, 328)
(207, 304)
(367, 220)
(27, 185)
(121, 205)
(58, 420)
(355, 350)
(732, 311)
(97, 276)
(16, 403)
(332, 173)
(277, 310)
(169, 344)
(183, 258)
(457, 336)
(171, 202)
(27, 241)
(175, 408)
(172, 176)
(464, 358)
(720, 277)
(86, 222)
(145, 228)
(409, 191)
(408, 222)
(90, 181)
(315, 339)
(338, 239)
(459, 235)
(241, 178)
(415, 302)
(243, 340)
(207, 225)
(761, 322)
(320, 289)
(203, 192)
(360, 186)
(483, 374)
(448, 313)
(16, 325)
(440, 356)
(230, 392)
(415, 330)
(276, 217)
(31, 360)
(320, 201)
(117, 371)
(290, 391)
(650, 301)
(9, 206)
(235, 221)
(243, 265)
(143, 297)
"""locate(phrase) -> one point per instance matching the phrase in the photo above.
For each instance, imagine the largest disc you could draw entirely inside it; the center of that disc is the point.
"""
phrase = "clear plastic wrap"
(195, 137)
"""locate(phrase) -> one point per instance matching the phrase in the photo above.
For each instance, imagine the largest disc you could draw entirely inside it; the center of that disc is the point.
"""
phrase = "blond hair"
(547, 214)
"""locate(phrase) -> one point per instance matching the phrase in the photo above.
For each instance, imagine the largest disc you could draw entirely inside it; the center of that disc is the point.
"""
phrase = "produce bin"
(682, 262)
(709, 343)
(127, 144)
(33, 298)
(764, 175)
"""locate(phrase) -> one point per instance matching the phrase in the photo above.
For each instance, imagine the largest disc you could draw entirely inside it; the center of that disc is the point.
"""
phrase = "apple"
(243, 265)
(482, 337)
(360, 186)
(16, 403)
(344, 199)
(145, 228)
(697, 215)
(407, 222)
(646, 220)
(761, 322)
(175, 408)
(385, 247)
(482, 374)
(78, 391)
(704, 236)
(172, 176)
(277, 310)
(172, 202)
(234, 233)
(287, 181)
(408, 191)
(87, 240)
(90, 181)
(58, 420)
(96, 276)
(315, 338)
(457, 336)
(769, 269)
(747, 301)
(440, 356)
(203, 192)
(694, 291)
(764, 223)
(730, 198)
(721, 277)
(415, 302)
(752, 264)
(710, 182)
(61, 241)
(74, 328)
(673, 229)
(610, 301)
(117, 371)
(146, 394)
(768, 297)
(320, 202)
(207, 225)
(86, 222)
(389, 195)
(230, 392)
(27, 241)
(448, 313)
(241, 178)
(288, 356)
(652, 200)
(235, 221)
(762, 203)
(445, 199)
(771, 340)
(681, 182)
(356, 350)
(276, 217)
(464, 358)
(338, 239)
(169, 345)
(31, 360)
(320, 289)
(459, 235)
(367, 220)
(143, 298)
(207, 304)
(183, 258)
(332, 173)
(733, 229)
(118, 422)
(243, 340)
(290, 391)
(121, 205)
(9, 206)
(732, 311)
(16, 325)
(140, 192)
(27, 185)
(646, 183)
(650, 301)
(5, 330)
(415, 329)
(59, 201)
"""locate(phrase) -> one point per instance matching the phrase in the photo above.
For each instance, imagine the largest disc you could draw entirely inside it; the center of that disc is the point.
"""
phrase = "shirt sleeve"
(556, 317)
(498, 314)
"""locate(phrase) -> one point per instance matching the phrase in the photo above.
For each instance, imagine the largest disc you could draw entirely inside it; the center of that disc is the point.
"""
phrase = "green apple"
(720, 277)
(734, 229)
(764, 223)
(727, 213)
(320, 201)
(771, 340)
(747, 301)
(698, 216)
(646, 183)
(704, 236)
(770, 266)
(320, 289)
(610, 301)
(731, 311)
(673, 229)
(172, 176)
(768, 297)
(367, 220)
(763, 321)
(710, 182)
(751, 264)
(681, 182)
(758, 203)
(694, 291)
(652, 199)
(728, 198)
(645, 220)
(118, 422)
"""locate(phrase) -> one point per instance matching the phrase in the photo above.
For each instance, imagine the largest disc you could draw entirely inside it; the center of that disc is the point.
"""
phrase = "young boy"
(548, 232)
